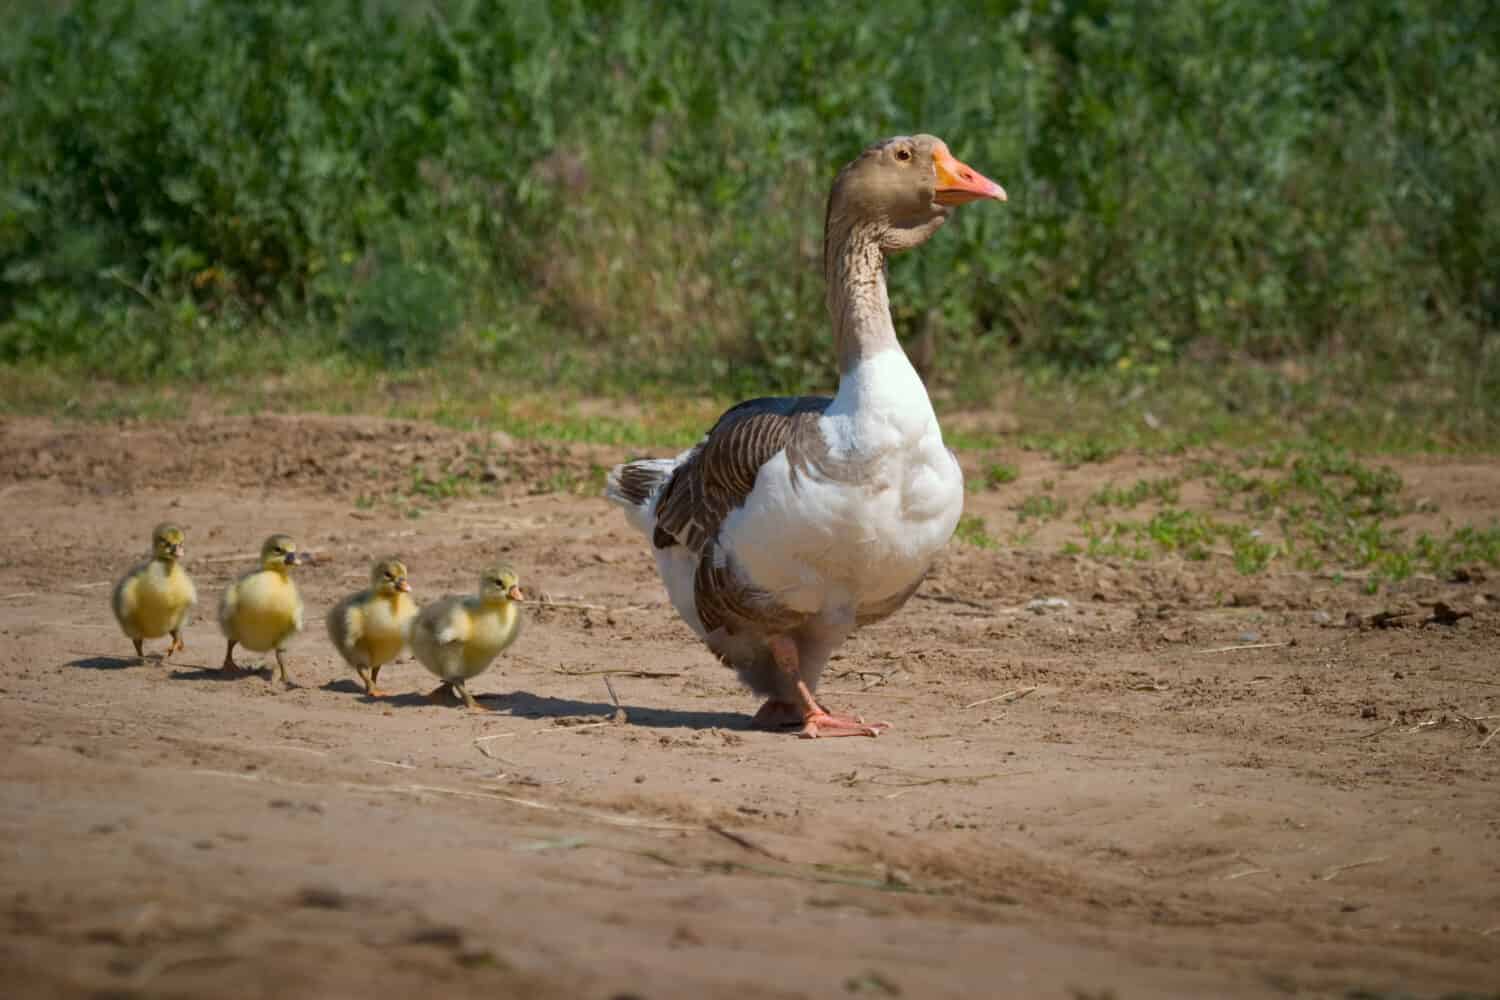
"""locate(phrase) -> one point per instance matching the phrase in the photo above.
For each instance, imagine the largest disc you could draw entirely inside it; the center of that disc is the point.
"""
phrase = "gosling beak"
(403, 586)
(295, 559)
(957, 182)
(515, 594)
(176, 551)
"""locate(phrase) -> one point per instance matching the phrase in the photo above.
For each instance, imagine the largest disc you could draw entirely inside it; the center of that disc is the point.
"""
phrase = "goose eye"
(903, 154)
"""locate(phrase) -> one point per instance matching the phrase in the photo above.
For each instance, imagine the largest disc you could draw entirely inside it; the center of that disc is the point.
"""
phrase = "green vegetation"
(1041, 507)
(995, 475)
(1158, 490)
(1311, 504)
(599, 221)
(605, 195)
(971, 531)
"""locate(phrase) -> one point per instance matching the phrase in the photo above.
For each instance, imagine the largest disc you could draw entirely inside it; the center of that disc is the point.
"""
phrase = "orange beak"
(403, 586)
(957, 182)
(515, 594)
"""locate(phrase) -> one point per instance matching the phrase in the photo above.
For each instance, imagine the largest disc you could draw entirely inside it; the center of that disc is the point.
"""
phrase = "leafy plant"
(199, 188)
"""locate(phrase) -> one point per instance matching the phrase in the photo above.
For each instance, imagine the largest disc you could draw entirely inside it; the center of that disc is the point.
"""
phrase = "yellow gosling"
(369, 628)
(155, 598)
(262, 609)
(458, 638)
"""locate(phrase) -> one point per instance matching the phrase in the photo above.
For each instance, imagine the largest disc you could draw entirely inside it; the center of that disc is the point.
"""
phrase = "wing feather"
(715, 479)
(720, 472)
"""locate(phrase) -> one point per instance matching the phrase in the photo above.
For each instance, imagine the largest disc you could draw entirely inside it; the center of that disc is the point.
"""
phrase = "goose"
(796, 520)
(155, 597)
(262, 609)
(369, 628)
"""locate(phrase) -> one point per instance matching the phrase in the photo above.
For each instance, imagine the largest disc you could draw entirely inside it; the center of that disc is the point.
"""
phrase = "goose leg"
(140, 650)
(176, 645)
(229, 664)
(803, 708)
(281, 669)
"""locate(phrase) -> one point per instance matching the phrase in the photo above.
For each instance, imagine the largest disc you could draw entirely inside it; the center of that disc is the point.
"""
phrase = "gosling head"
(279, 552)
(167, 542)
(500, 584)
(388, 576)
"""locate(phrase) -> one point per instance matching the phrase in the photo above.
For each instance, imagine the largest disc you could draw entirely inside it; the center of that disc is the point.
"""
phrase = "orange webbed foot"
(822, 723)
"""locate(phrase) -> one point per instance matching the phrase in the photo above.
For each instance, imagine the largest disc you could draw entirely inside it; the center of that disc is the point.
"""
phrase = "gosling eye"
(903, 154)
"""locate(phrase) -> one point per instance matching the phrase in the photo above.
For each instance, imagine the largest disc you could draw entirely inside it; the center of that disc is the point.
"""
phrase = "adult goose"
(798, 519)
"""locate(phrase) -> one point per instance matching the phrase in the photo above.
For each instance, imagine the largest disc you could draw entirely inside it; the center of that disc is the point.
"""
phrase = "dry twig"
(1252, 645)
(549, 602)
(1336, 870)
(1005, 699)
(744, 842)
(1246, 873)
(1374, 732)
(620, 715)
(616, 672)
(955, 599)
(574, 729)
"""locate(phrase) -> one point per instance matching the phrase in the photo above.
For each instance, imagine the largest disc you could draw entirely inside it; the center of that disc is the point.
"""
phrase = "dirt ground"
(1092, 800)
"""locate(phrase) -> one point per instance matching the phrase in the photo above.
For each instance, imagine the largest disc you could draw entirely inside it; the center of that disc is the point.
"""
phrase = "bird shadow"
(108, 662)
(524, 704)
(206, 673)
(347, 686)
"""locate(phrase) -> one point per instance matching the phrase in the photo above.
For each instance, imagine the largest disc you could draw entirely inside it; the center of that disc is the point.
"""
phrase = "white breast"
(869, 522)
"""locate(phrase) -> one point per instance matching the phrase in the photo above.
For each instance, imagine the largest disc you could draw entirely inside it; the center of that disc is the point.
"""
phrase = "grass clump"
(1165, 491)
(1041, 507)
(994, 476)
(971, 530)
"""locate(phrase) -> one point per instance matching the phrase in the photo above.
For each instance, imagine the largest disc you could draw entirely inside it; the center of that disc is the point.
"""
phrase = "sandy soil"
(1092, 801)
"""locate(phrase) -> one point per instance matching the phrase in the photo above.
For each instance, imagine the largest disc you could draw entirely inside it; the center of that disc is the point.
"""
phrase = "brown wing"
(721, 471)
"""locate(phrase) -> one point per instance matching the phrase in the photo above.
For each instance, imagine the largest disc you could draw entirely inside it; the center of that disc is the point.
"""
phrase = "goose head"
(900, 191)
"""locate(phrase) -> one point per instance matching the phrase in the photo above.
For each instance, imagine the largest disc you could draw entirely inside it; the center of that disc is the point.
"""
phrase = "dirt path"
(1088, 801)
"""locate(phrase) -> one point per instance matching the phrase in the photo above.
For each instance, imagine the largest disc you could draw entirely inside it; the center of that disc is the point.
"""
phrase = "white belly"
(828, 546)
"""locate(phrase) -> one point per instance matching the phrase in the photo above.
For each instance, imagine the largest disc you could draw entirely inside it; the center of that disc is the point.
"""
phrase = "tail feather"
(634, 486)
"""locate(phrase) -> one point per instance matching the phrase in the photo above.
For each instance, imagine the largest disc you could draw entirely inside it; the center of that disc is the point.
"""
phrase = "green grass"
(1310, 505)
(1041, 507)
(972, 531)
(601, 196)
(994, 476)
(1165, 491)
